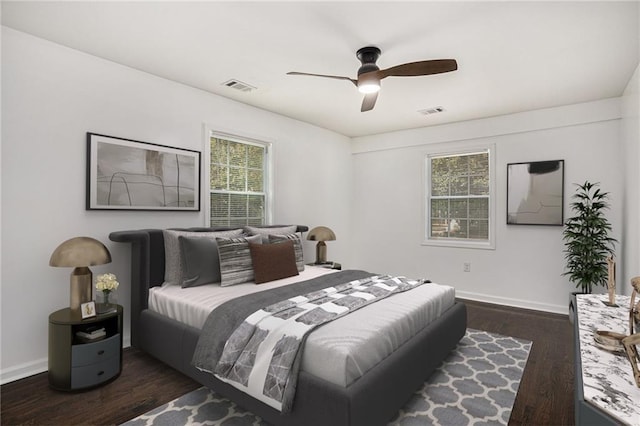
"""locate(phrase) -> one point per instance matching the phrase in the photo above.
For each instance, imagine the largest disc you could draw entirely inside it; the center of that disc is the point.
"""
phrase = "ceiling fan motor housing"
(368, 57)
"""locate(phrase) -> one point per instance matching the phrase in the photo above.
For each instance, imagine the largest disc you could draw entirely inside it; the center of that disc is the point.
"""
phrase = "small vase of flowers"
(106, 284)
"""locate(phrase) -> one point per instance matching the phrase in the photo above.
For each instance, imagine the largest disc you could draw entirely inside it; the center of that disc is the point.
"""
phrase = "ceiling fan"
(369, 74)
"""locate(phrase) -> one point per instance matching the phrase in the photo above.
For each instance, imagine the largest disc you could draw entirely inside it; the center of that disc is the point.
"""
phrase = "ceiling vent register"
(429, 111)
(238, 85)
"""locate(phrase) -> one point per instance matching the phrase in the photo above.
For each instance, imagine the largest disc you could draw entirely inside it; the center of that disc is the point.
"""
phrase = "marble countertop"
(607, 376)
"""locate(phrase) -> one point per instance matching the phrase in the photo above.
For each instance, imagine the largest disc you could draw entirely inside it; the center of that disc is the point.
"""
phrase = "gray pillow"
(265, 232)
(201, 262)
(297, 247)
(173, 262)
(235, 259)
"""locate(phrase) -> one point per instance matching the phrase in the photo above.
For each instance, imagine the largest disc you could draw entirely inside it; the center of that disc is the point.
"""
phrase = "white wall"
(526, 266)
(630, 261)
(51, 97)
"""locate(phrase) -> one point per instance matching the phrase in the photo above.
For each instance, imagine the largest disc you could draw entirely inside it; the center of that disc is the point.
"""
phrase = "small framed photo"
(88, 309)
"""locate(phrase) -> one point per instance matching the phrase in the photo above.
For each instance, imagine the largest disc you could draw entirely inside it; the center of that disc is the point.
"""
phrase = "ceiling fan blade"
(434, 66)
(369, 102)
(337, 77)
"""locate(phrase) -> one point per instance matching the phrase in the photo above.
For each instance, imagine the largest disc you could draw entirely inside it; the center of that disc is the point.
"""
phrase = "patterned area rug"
(476, 385)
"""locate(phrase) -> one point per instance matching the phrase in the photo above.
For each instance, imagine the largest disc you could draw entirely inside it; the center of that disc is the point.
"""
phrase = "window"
(238, 182)
(459, 199)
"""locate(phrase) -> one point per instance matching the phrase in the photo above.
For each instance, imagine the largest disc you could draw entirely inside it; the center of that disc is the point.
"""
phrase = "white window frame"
(443, 151)
(268, 176)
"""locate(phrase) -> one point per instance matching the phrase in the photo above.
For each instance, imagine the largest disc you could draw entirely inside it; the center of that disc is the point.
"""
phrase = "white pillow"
(173, 262)
(265, 232)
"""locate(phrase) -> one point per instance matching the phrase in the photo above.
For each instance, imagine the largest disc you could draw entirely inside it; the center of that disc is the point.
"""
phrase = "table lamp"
(80, 253)
(321, 234)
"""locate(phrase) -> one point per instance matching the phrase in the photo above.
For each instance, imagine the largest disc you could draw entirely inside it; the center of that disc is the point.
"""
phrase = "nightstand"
(328, 265)
(77, 363)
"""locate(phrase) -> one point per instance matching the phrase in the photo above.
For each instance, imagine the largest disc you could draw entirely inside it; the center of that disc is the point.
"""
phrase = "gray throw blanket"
(263, 342)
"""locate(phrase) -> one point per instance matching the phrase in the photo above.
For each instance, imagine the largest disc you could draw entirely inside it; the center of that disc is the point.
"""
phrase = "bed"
(372, 398)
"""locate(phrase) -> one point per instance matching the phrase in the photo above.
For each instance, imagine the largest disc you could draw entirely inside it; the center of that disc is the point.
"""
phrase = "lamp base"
(81, 280)
(321, 253)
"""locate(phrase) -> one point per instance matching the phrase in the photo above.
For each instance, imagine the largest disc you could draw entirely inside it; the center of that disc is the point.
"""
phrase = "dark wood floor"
(545, 396)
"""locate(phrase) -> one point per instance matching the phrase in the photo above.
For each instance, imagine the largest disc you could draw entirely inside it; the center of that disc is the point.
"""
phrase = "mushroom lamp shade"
(321, 234)
(80, 253)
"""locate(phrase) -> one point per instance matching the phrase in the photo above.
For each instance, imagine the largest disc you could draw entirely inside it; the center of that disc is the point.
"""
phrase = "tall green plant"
(586, 238)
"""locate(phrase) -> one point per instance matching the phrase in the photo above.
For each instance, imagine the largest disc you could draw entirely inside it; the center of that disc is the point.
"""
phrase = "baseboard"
(23, 370)
(516, 303)
(32, 368)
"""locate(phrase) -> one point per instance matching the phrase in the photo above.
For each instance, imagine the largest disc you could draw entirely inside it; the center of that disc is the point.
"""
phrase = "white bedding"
(339, 351)
(192, 305)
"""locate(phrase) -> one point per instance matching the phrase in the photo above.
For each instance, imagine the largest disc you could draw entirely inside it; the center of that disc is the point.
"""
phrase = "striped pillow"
(235, 259)
(297, 247)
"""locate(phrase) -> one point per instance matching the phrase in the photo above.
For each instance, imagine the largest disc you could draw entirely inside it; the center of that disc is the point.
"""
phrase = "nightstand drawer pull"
(101, 352)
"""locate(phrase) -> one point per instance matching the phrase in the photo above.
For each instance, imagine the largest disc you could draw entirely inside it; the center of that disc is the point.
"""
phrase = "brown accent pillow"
(273, 261)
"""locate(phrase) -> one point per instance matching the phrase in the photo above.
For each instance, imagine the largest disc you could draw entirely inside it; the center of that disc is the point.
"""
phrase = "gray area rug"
(476, 385)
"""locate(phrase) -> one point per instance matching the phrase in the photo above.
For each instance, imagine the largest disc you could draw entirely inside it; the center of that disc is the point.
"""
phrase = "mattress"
(340, 351)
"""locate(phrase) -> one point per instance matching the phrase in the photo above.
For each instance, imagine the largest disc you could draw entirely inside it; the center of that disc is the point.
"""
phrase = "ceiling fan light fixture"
(368, 83)
(369, 87)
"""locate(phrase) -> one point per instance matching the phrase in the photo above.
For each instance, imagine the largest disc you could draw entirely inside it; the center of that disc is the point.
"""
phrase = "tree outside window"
(237, 183)
(458, 196)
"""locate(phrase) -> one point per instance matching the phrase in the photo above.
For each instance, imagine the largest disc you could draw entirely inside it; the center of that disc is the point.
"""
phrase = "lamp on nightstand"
(80, 253)
(321, 234)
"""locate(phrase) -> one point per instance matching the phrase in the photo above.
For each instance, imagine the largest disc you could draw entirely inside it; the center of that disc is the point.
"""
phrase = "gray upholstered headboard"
(147, 261)
(147, 251)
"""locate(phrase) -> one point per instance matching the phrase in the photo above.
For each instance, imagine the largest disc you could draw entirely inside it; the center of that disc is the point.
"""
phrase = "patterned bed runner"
(263, 354)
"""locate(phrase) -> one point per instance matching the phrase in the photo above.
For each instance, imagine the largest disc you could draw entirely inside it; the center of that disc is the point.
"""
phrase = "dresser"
(605, 390)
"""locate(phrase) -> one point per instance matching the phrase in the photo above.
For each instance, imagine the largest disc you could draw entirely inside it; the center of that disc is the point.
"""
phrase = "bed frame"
(374, 399)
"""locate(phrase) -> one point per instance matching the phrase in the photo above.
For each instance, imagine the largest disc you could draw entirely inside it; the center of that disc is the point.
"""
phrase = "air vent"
(429, 111)
(238, 85)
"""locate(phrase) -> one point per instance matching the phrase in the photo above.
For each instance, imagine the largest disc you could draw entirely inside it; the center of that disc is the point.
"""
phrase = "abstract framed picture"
(124, 174)
(535, 193)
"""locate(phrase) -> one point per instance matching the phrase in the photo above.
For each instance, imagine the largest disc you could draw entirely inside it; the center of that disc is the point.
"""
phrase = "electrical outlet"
(467, 266)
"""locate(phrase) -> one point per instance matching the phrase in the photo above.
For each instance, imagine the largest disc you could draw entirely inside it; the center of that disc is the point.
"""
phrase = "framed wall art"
(124, 174)
(535, 193)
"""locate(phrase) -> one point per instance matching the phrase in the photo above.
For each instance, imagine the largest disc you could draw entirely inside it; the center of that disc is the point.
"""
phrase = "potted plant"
(586, 238)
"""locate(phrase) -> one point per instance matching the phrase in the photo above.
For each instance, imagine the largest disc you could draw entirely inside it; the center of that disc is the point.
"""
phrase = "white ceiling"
(512, 56)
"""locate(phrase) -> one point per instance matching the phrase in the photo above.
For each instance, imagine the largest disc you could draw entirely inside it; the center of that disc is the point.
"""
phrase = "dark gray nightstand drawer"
(91, 353)
(91, 375)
